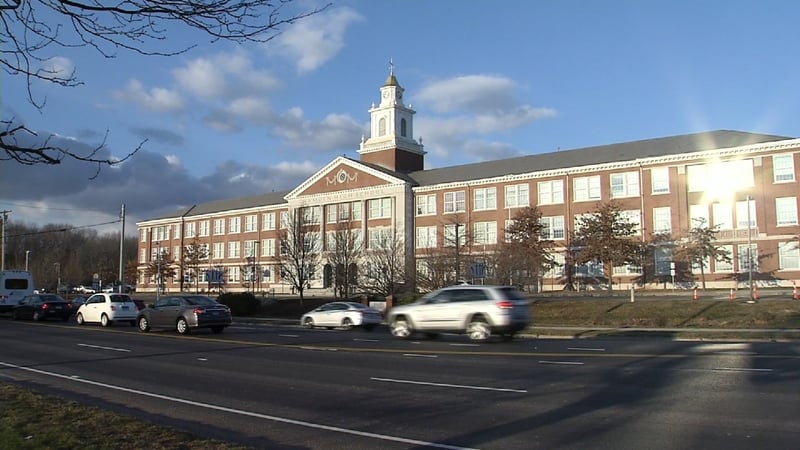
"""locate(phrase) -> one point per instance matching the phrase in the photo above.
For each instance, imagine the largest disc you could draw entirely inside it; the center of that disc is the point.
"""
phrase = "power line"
(47, 208)
(61, 230)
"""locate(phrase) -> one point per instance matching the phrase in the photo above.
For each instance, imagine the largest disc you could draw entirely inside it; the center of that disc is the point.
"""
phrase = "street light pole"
(749, 250)
(158, 269)
(27, 257)
(58, 276)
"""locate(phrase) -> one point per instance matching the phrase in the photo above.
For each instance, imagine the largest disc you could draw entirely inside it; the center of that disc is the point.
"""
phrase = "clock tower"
(391, 143)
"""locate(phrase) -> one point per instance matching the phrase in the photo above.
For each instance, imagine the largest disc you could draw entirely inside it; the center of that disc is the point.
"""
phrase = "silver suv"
(478, 311)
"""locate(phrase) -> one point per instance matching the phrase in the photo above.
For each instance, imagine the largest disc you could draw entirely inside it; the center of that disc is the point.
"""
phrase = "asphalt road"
(283, 387)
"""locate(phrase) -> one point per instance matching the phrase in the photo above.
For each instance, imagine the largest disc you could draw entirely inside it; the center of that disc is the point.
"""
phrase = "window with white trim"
(720, 177)
(191, 230)
(586, 188)
(625, 184)
(159, 233)
(746, 259)
(204, 251)
(517, 195)
(634, 217)
(550, 192)
(234, 249)
(552, 227)
(219, 227)
(284, 219)
(659, 180)
(356, 207)
(455, 234)
(233, 274)
(312, 215)
(722, 216)
(143, 235)
(698, 214)
(783, 168)
(788, 255)
(557, 266)
(454, 202)
(484, 199)
(176, 231)
(485, 233)
(742, 214)
(235, 225)
(344, 212)
(332, 213)
(706, 265)
(142, 255)
(219, 250)
(250, 223)
(379, 237)
(205, 228)
(786, 211)
(426, 205)
(578, 221)
(426, 237)
(380, 208)
(662, 220)
(628, 269)
(506, 225)
(268, 221)
(721, 265)
(662, 260)
(268, 247)
(250, 248)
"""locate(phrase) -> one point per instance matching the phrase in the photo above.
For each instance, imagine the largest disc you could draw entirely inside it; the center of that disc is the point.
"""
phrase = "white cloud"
(225, 75)
(470, 92)
(156, 99)
(313, 41)
(57, 67)
(201, 77)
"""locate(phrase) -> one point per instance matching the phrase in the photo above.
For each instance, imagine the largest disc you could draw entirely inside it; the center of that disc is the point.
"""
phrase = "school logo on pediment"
(341, 177)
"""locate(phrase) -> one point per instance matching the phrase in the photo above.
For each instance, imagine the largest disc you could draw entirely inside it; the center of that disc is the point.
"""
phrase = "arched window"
(403, 127)
(382, 126)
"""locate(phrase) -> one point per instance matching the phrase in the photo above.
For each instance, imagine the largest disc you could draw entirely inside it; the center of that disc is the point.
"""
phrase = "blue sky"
(488, 79)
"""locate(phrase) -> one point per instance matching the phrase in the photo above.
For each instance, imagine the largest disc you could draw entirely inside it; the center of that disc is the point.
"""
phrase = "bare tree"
(162, 267)
(385, 263)
(344, 252)
(528, 242)
(194, 255)
(34, 33)
(605, 237)
(700, 246)
(300, 248)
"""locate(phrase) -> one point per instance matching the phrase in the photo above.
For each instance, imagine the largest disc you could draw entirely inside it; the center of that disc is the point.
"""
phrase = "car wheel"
(401, 328)
(217, 330)
(347, 323)
(144, 325)
(479, 330)
(105, 321)
(308, 322)
(182, 326)
(79, 319)
(36, 316)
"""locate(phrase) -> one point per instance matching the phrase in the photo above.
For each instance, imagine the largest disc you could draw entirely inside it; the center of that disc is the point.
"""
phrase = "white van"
(14, 285)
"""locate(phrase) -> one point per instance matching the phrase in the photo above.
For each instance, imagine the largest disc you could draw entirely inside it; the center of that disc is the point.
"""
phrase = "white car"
(342, 314)
(106, 309)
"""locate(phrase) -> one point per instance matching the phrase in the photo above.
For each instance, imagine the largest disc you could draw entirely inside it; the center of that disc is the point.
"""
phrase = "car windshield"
(200, 301)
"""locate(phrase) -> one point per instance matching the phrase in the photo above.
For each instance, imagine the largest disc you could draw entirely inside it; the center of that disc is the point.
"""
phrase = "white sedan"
(342, 314)
(106, 309)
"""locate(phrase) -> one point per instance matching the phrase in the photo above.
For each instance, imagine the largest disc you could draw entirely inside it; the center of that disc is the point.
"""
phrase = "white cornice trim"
(295, 193)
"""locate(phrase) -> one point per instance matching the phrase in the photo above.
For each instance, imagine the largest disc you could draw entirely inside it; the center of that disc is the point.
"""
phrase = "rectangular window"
(721, 265)
(517, 196)
(312, 215)
(662, 220)
(379, 238)
(176, 231)
(455, 234)
(788, 255)
(219, 227)
(268, 247)
(783, 168)
(234, 249)
(344, 212)
(426, 237)
(633, 216)
(284, 247)
(454, 202)
(552, 227)
(659, 179)
(205, 228)
(745, 258)
(233, 274)
(485, 232)
(204, 251)
(720, 178)
(625, 184)
(556, 269)
(284, 219)
(235, 225)
(250, 248)
(426, 205)
(356, 206)
(250, 223)
(742, 214)
(268, 221)
(786, 210)
(551, 192)
(698, 216)
(586, 188)
(380, 208)
(330, 241)
(332, 214)
(579, 221)
(485, 198)
(190, 229)
(219, 250)
(663, 260)
(722, 216)
(142, 256)
(143, 235)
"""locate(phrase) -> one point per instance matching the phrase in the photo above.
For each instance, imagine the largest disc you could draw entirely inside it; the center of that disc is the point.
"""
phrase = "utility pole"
(121, 278)
(3, 240)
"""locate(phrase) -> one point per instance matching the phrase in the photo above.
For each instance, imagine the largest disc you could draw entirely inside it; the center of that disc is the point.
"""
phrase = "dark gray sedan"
(183, 313)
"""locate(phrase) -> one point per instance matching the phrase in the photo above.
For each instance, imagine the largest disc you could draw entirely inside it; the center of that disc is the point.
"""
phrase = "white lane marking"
(289, 335)
(565, 363)
(319, 348)
(464, 345)
(241, 412)
(365, 340)
(736, 353)
(202, 359)
(417, 355)
(586, 349)
(459, 386)
(742, 369)
(104, 348)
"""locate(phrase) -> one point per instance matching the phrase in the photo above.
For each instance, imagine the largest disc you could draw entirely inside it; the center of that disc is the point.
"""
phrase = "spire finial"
(391, 67)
